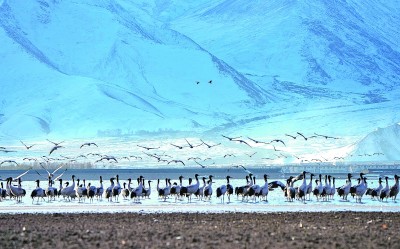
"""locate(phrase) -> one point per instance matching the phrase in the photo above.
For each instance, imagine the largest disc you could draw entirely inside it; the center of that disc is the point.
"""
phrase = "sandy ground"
(201, 230)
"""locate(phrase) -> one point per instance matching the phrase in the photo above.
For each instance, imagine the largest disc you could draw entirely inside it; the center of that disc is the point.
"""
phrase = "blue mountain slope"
(116, 67)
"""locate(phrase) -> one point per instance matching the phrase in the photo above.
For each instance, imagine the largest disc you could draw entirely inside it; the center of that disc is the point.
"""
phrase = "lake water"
(276, 201)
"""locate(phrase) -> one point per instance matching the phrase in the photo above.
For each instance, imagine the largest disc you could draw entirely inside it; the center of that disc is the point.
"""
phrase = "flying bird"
(325, 136)
(55, 144)
(227, 155)
(177, 161)
(251, 155)
(210, 81)
(148, 148)
(192, 146)
(55, 148)
(278, 141)
(88, 144)
(108, 158)
(257, 142)
(27, 146)
(305, 138)
(242, 142)
(208, 145)
(231, 138)
(9, 161)
(177, 146)
(244, 168)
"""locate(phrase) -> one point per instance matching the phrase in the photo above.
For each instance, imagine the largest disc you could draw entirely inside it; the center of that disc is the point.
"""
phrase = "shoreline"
(198, 230)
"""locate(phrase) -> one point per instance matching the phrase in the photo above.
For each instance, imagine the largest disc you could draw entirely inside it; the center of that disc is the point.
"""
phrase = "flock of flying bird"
(151, 152)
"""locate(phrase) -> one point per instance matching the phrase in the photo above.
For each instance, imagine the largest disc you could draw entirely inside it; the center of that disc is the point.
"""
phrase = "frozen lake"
(276, 201)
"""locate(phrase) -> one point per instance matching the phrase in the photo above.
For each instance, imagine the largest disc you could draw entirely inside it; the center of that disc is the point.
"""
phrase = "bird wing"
(57, 169)
(55, 179)
(44, 169)
(16, 178)
(53, 149)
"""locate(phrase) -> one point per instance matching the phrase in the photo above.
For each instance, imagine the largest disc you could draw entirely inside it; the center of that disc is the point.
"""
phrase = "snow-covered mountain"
(383, 143)
(88, 68)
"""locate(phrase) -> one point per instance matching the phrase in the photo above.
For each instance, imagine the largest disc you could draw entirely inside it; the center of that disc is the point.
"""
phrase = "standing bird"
(176, 189)
(223, 189)
(125, 191)
(38, 192)
(117, 189)
(385, 191)
(17, 192)
(374, 192)
(92, 190)
(309, 187)
(265, 189)
(200, 191)
(290, 191)
(333, 189)
(394, 190)
(138, 191)
(51, 192)
(147, 191)
(166, 191)
(361, 189)
(207, 192)
(191, 189)
(69, 191)
(100, 190)
(344, 190)
(303, 188)
(254, 190)
(109, 191)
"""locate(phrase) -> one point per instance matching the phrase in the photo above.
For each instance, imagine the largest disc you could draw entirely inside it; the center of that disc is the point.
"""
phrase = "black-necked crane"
(166, 191)
(394, 190)
(189, 190)
(51, 192)
(116, 189)
(374, 192)
(318, 190)
(100, 190)
(265, 189)
(344, 190)
(385, 191)
(207, 192)
(302, 190)
(38, 192)
(17, 192)
(69, 191)
(290, 191)
(242, 190)
(137, 192)
(224, 189)
(361, 189)
(253, 190)
(333, 189)
(92, 190)
(200, 191)
(310, 187)
(125, 192)
(147, 191)
(176, 189)
(3, 192)
(109, 190)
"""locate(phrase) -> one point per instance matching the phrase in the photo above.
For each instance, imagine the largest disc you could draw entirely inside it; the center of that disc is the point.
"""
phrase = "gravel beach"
(201, 230)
